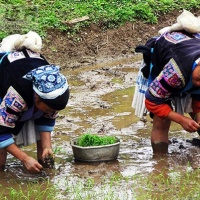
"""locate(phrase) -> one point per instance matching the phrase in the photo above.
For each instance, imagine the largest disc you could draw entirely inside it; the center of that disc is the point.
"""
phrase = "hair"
(59, 103)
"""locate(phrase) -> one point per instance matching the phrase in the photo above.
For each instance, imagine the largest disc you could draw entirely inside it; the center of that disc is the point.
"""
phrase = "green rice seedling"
(88, 139)
(30, 190)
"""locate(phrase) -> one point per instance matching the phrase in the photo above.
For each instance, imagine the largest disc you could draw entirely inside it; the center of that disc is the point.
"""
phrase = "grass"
(28, 191)
(20, 16)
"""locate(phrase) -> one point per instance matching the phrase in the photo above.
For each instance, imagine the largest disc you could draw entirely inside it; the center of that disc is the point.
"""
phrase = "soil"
(94, 44)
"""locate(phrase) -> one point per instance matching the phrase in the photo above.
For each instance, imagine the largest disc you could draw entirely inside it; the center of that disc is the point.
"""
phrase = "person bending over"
(175, 86)
(31, 90)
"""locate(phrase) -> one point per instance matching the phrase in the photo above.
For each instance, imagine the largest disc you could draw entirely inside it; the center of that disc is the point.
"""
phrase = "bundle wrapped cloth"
(17, 42)
(185, 21)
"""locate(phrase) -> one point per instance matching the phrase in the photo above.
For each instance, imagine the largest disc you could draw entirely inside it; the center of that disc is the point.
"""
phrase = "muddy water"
(100, 102)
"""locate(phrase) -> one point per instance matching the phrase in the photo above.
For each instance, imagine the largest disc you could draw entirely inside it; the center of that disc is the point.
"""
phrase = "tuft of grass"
(88, 139)
(29, 190)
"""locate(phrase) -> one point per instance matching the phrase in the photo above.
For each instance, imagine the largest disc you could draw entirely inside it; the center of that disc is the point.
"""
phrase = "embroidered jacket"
(17, 95)
(178, 54)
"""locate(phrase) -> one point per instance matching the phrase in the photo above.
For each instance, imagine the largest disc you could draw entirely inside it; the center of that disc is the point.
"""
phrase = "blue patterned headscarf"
(49, 84)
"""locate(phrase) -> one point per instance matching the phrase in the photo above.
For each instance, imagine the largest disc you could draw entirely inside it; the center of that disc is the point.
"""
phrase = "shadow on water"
(100, 102)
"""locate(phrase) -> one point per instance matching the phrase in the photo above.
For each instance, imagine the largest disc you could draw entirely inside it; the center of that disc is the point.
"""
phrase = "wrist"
(23, 156)
(16, 152)
(176, 117)
(48, 148)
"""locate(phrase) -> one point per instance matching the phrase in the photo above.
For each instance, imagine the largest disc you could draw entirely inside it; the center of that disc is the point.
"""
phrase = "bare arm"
(30, 163)
(45, 138)
(187, 123)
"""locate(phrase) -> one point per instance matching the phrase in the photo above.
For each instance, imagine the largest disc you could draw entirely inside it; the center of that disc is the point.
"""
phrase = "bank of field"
(21, 16)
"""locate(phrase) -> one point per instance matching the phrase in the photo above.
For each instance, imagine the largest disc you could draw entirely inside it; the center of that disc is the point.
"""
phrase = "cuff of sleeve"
(6, 143)
(161, 110)
(42, 128)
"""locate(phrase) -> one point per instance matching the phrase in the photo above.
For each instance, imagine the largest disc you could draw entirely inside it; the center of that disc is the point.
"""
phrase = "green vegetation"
(20, 16)
(175, 185)
(30, 190)
(88, 139)
(156, 187)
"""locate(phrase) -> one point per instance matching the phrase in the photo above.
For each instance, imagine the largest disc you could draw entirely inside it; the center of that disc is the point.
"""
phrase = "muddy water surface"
(100, 102)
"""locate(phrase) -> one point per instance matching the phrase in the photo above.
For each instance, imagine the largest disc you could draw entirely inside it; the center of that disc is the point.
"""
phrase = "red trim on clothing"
(161, 110)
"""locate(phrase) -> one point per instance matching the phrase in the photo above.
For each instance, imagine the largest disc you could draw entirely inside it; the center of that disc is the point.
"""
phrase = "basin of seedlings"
(93, 148)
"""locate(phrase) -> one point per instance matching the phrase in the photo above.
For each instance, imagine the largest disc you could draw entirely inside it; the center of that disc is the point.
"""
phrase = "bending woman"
(30, 89)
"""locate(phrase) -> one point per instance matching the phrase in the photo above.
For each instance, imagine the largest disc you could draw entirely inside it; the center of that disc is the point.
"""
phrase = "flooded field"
(100, 103)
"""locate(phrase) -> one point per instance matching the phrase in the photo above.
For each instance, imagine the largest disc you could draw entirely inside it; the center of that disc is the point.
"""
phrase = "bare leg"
(159, 134)
(3, 156)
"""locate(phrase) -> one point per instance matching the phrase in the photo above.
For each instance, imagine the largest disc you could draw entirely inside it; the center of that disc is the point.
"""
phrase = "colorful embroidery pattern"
(172, 76)
(33, 54)
(16, 55)
(157, 90)
(176, 37)
(16, 103)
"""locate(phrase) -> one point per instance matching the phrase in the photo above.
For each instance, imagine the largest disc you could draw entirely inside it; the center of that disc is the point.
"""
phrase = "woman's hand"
(32, 165)
(47, 153)
(186, 122)
(189, 124)
(47, 158)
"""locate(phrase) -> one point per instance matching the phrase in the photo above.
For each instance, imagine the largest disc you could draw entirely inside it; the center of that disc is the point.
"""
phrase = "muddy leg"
(3, 156)
(159, 134)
